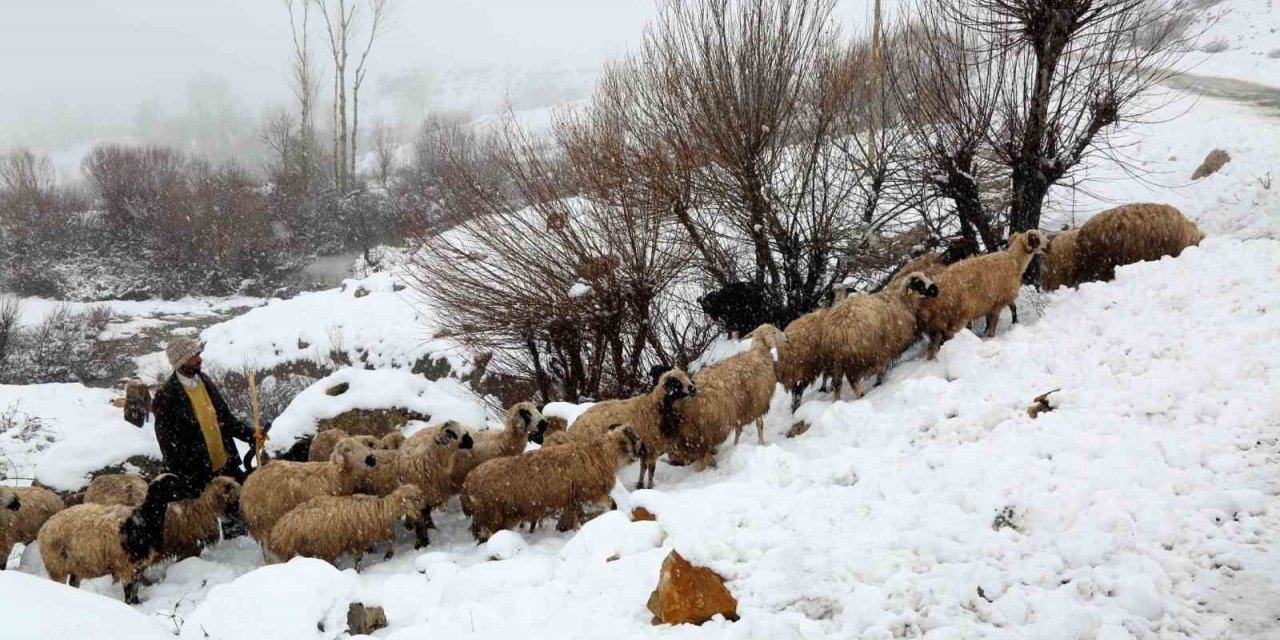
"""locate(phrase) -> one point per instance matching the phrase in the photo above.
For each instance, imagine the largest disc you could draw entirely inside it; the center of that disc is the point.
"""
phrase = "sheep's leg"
(569, 518)
(760, 429)
(737, 434)
(796, 392)
(1013, 310)
(652, 463)
(533, 526)
(131, 591)
(359, 559)
(993, 319)
(858, 391)
(837, 381)
(935, 343)
(73, 580)
(644, 465)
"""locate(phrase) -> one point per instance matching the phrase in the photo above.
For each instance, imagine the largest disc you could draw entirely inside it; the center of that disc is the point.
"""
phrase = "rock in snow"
(689, 595)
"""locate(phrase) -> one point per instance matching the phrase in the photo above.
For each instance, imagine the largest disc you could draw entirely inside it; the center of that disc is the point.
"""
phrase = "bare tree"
(303, 71)
(950, 95)
(384, 153)
(1071, 75)
(343, 19)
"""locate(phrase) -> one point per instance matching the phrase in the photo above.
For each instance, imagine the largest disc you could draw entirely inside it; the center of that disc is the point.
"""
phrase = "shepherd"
(195, 426)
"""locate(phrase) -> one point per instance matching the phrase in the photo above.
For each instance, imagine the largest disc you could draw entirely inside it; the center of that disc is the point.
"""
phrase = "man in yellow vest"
(194, 425)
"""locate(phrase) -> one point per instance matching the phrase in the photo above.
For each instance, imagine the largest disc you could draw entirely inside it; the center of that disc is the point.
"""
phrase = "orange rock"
(641, 513)
(689, 594)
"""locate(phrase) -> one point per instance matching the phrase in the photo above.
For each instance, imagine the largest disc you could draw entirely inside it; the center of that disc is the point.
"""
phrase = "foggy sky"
(74, 70)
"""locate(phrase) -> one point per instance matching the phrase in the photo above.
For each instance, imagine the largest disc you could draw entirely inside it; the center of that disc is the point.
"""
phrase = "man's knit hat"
(180, 350)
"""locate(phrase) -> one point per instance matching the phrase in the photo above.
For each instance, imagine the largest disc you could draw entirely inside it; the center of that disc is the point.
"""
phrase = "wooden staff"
(259, 438)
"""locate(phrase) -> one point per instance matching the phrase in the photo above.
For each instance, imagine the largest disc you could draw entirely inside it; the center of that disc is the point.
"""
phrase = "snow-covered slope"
(61, 432)
(36, 609)
(374, 321)
(1238, 39)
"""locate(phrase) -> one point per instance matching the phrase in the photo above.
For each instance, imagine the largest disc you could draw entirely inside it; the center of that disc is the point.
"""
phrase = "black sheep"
(740, 307)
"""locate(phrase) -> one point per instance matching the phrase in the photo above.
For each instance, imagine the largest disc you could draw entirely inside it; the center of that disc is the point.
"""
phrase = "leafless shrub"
(1274, 54)
(10, 314)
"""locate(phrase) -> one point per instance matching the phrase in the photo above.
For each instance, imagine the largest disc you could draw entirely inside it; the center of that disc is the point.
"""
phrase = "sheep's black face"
(165, 488)
(14, 504)
(675, 389)
(466, 442)
(536, 436)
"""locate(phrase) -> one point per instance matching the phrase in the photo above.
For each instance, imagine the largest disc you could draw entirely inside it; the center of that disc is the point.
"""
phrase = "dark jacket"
(181, 441)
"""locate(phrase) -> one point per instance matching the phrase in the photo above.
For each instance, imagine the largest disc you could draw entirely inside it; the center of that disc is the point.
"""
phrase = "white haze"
(201, 75)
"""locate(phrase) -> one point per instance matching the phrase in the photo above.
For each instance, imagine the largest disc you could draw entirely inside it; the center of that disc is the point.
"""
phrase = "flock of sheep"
(356, 487)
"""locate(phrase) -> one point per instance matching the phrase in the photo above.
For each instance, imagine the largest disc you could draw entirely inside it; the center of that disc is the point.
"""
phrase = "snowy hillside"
(1240, 40)
(1143, 506)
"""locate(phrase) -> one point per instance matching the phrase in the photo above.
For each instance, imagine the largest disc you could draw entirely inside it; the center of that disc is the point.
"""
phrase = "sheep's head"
(352, 456)
(391, 441)
(921, 285)
(768, 335)
(629, 443)
(409, 500)
(9, 500)
(452, 433)
(226, 492)
(1028, 242)
(839, 291)
(165, 488)
(524, 418)
(675, 385)
(959, 249)
(369, 441)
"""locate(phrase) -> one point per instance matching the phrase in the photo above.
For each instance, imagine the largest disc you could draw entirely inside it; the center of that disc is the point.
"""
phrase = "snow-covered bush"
(63, 347)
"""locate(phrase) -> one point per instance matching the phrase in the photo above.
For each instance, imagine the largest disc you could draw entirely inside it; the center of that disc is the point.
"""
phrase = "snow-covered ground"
(1238, 39)
(78, 431)
(376, 321)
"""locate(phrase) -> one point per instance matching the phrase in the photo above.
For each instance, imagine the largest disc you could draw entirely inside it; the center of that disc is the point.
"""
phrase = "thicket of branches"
(747, 141)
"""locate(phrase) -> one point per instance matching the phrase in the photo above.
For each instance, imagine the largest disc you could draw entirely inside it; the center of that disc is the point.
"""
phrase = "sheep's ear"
(339, 458)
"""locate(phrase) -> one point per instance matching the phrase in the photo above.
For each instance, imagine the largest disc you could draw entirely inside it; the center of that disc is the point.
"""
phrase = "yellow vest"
(208, 418)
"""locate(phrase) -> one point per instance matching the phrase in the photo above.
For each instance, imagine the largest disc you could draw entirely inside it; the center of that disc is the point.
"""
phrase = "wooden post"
(877, 80)
(259, 438)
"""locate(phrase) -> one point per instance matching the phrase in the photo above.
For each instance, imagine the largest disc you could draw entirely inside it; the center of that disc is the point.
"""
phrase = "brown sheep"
(553, 425)
(91, 540)
(935, 262)
(865, 333)
(1059, 268)
(116, 488)
(425, 461)
(800, 356)
(504, 492)
(731, 394)
(1116, 237)
(656, 416)
(391, 441)
(975, 288)
(523, 419)
(137, 402)
(328, 526)
(191, 525)
(322, 445)
(279, 486)
(23, 510)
